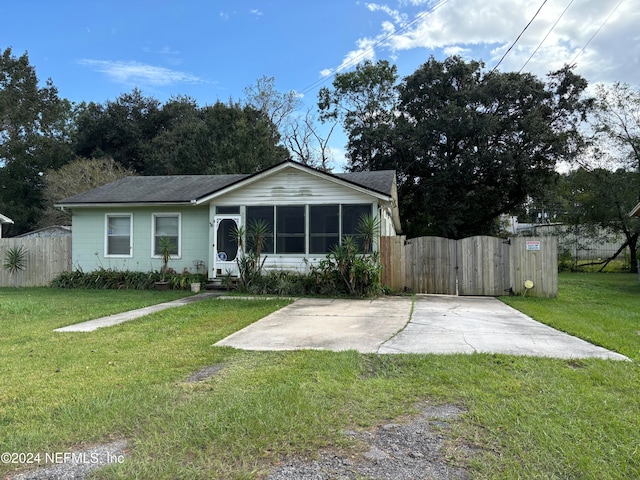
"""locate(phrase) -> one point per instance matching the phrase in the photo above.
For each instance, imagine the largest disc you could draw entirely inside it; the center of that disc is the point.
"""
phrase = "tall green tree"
(216, 139)
(120, 129)
(179, 137)
(475, 145)
(35, 136)
(468, 145)
(616, 121)
(364, 101)
(607, 185)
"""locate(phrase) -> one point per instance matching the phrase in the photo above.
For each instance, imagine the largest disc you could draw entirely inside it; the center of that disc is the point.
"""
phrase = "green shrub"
(108, 279)
(347, 271)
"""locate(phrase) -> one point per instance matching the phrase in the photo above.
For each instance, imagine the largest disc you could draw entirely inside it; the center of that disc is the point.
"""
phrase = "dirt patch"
(204, 373)
(412, 449)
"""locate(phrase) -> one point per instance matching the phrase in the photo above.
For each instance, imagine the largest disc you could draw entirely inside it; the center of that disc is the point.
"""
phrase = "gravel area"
(393, 451)
(410, 449)
(75, 465)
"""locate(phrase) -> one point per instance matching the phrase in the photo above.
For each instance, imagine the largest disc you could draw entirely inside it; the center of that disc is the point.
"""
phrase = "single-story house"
(4, 220)
(308, 211)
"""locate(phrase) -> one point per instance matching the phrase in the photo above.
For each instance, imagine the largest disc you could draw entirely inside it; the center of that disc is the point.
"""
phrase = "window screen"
(290, 229)
(263, 215)
(324, 228)
(351, 215)
(118, 235)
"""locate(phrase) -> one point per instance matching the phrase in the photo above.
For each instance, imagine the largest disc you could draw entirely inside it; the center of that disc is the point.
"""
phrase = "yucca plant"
(15, 260)
(165, 247)
(369, 228)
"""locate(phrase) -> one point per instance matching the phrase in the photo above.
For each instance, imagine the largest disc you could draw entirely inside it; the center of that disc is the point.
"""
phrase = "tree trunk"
(633, 245)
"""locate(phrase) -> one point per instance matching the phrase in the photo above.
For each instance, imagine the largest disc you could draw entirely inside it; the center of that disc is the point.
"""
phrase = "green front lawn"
(526, 417)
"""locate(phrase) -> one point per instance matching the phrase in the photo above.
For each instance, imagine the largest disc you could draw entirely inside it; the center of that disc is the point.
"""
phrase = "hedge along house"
(119, 225)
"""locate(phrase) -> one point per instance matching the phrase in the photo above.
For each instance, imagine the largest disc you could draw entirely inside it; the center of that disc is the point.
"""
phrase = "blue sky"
(212, 50)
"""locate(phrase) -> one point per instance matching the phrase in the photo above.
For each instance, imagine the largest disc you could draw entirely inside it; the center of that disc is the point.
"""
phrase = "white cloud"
(395, 15)
(484, 31)
(256, 12)
(136, 73)
(365, 51)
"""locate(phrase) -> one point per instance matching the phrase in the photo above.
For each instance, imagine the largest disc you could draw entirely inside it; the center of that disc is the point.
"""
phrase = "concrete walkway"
(91, 325)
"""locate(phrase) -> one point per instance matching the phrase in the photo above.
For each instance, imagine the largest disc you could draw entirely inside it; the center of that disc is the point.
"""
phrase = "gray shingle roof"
(185, 188)
(154, 189)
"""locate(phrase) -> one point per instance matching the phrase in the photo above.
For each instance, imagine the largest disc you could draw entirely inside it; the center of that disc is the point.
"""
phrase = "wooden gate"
(483, 266)
(431, 265)
(478, 265)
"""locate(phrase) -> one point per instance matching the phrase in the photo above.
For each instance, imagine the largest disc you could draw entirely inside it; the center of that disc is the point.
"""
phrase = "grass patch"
(526, 417)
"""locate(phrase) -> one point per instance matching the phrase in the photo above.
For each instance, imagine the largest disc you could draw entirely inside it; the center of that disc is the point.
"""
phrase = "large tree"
(120, 129)
(179, 137)
(35, 127)
(216, 139)
(468, 145)
(616, 122)
(476, 145)
(364, 102)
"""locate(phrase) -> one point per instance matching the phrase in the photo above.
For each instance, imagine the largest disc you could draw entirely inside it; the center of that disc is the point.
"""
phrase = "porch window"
(351, 216)
(261, 214)
(290, 231)
(118, 235)
(166, 225)
(324, 228)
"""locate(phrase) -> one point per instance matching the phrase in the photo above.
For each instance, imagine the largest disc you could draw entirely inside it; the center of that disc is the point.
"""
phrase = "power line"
(545, 37)
(358, 58)
(518, 37)
(596, 32)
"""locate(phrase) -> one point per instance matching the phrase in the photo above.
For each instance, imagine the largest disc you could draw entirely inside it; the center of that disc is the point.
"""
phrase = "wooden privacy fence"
(480, 265)
(45, 258)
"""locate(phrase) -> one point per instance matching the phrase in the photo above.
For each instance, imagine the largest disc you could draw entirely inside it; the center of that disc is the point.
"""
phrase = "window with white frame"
(166, 225)
(119, 228)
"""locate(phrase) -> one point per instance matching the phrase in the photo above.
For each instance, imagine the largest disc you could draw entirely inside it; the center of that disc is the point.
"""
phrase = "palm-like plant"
(165, 247)
(369, 228)
(15, 260)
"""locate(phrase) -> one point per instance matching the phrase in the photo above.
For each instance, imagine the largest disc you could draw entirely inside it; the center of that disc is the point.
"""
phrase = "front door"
(225, 248)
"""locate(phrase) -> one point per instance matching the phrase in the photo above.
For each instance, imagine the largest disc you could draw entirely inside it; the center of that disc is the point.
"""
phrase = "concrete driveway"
(438, 324)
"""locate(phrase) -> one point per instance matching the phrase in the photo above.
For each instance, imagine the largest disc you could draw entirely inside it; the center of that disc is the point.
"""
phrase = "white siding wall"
(289, 187)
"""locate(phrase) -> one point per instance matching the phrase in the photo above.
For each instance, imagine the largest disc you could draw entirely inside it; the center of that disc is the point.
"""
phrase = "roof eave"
(122, 204)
